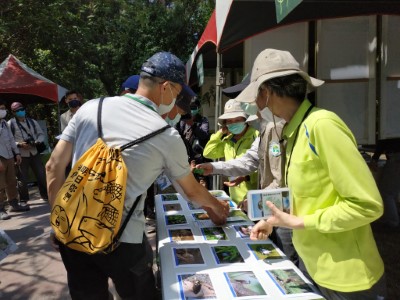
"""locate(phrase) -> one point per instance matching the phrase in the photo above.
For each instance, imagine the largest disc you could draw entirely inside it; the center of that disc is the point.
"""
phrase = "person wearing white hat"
(334, 197)
(230, 142)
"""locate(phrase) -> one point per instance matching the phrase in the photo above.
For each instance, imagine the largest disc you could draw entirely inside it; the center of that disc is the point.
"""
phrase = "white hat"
(272, 63)
(232, 110)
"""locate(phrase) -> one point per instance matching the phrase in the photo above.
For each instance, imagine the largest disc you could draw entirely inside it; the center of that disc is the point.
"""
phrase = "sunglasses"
(19, 109)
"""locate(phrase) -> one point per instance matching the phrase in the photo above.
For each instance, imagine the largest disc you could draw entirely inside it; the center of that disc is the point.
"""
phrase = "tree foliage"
(94, 45)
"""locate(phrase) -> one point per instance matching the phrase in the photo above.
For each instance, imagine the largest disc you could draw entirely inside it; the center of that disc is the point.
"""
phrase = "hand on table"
(219, 213)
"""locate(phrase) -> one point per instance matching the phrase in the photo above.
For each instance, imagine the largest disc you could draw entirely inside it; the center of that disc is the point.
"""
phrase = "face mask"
(174, 121)
(249, 108)
(74, 103)
(20, 114)
(3, 113)
(266, 114)
(164, 109)
(194, 111)
(236, 128)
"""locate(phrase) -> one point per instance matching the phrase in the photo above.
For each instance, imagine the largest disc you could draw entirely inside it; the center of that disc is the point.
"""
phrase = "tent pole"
(218, 97)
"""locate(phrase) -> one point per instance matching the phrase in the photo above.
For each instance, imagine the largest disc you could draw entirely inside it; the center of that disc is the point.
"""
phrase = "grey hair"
(293, 86)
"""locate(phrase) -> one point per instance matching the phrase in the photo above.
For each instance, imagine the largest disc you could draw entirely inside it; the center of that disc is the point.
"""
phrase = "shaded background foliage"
(94, 45)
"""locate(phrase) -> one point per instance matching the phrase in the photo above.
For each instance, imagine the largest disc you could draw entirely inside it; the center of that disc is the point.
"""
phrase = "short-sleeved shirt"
(125, 120)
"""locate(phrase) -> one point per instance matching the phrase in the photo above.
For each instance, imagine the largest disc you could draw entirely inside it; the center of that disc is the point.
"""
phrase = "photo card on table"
(244, 284)
(227, 254)
(175, 220)
(187, 257)
(196, 286)
(180, 235)
(264, 251)
(169, 197)
(216, 233)
(289, 281)
(243, 230)
(172, 207)
(193, 206)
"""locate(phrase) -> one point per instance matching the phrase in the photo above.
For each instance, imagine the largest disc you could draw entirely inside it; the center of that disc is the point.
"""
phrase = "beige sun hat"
(232, 110)
(272, 63)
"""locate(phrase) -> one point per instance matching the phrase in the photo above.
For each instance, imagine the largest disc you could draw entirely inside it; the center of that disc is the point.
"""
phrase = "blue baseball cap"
(167, 66)
(131, 83)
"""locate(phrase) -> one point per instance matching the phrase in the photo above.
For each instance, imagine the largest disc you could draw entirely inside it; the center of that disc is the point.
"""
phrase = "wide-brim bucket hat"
(272, 63)
(232, 110)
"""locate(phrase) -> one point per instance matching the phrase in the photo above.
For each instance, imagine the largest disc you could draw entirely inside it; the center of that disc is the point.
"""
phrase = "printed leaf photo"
(169, 197)
(175, 219)
(227, 254)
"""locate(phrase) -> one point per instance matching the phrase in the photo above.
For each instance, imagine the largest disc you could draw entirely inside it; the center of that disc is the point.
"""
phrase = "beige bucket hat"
(272, 63)
(232, 110)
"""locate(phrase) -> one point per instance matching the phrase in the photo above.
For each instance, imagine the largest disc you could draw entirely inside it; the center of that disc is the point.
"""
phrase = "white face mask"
(174, 121)
(163, 108)
(267, 115)
(3, 113)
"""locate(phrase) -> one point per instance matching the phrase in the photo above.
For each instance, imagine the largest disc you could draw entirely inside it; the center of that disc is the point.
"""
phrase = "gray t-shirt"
(125, 120)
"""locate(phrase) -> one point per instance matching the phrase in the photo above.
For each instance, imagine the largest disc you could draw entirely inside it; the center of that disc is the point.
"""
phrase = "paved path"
(35, 271)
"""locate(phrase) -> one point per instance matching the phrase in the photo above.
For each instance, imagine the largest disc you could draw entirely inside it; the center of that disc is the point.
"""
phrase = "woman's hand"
(282, 219)
(261, 230)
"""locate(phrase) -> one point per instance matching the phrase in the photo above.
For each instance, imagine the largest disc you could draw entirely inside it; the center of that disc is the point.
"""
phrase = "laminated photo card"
(7, 245)
(193, 206)
(227, 254)
(244, 284)
(243, 230)
(265, 251)
(257, 199)
(187, 257)
(172, 207)
(181, 235)
(175, 220)
(196, 286)
(214, 233)
(289, 282)
(169, 197)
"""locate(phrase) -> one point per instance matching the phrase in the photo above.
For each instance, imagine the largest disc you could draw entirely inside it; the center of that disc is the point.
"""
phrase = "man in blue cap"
(127, 118)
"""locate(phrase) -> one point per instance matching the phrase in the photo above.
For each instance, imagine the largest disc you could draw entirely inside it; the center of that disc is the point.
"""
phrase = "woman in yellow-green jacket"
(231, 141)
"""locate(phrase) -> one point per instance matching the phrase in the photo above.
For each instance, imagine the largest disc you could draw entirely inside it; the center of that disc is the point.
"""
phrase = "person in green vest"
(334, 197)
(230, 142)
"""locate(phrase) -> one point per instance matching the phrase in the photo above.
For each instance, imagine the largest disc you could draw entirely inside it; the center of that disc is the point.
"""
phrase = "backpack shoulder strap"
(99, 126)
(143, 138)
(30, 122)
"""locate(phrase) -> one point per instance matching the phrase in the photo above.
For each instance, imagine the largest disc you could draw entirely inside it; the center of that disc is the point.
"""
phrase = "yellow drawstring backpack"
(87, 212)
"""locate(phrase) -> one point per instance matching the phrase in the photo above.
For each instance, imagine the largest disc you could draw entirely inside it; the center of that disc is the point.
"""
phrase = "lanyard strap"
(294, 142)
(140, 101)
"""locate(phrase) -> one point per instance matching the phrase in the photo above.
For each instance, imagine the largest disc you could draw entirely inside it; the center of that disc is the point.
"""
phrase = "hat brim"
(187, 96)
(232, 115)
(251, 118)
(249, 94)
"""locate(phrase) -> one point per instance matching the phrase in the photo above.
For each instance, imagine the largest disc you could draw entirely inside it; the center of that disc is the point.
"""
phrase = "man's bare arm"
(55, 168)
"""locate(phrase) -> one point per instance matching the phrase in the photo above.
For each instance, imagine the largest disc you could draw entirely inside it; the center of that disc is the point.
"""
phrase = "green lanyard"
(140, 101)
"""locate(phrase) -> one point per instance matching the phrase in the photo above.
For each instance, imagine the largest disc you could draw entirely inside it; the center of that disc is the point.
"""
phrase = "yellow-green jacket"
(225, 147)
(333, 190)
